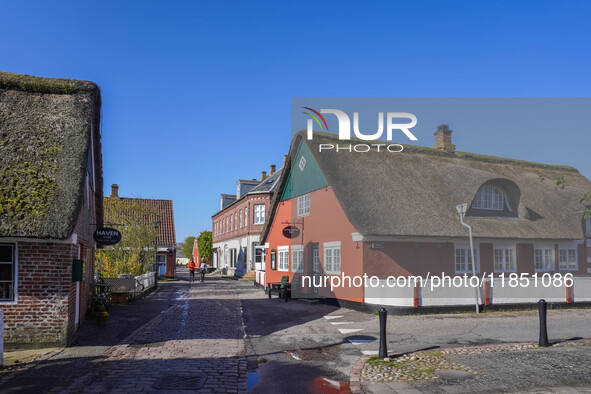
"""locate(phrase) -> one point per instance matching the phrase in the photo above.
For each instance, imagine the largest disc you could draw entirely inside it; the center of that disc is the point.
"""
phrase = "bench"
(131, 286)
(282, 288)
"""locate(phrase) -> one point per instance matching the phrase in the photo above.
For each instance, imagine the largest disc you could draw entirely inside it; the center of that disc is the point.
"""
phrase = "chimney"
(263, 175)
(115, 190)
(443, 139)
(284, 160)
(272, 170)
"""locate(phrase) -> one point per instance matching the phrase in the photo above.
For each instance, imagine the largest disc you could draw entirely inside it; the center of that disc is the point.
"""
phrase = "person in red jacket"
(191, 266)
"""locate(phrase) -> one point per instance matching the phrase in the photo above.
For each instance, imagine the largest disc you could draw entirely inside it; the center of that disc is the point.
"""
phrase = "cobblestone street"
(195, 344)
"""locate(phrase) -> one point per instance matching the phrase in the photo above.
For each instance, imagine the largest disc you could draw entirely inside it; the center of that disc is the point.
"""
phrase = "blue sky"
(197, 94)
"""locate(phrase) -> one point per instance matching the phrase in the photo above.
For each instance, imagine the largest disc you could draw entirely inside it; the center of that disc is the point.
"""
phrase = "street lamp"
(462, 208)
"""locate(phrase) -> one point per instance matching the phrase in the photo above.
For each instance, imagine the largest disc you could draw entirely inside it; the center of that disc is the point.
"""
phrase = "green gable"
(300, 182)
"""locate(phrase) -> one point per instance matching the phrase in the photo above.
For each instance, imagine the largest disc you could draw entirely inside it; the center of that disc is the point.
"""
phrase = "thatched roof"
(144, 211)
(414, 193)
(45, 132)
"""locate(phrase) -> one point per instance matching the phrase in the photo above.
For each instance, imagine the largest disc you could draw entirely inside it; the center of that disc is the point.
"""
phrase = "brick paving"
(196, 344)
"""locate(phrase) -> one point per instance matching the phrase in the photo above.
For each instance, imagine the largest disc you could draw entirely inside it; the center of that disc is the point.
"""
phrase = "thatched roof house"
(45, 134)
(414, 193)
(51, 199)
(373, 212)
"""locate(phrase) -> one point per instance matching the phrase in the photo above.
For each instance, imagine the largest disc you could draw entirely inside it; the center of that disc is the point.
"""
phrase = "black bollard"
(543, 332)
(383, 345)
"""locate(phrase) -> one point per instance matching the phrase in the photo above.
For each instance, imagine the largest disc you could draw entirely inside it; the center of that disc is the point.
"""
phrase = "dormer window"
(489, 197)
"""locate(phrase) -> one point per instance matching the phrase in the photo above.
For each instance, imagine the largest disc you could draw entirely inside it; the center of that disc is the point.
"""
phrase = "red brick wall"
(250, 202)
(44, 287)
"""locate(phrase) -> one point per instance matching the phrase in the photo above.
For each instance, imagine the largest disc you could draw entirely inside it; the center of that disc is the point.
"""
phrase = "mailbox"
(77, 269)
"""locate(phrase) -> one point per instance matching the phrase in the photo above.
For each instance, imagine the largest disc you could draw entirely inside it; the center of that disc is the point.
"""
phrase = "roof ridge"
(32, 84)
(457, 154)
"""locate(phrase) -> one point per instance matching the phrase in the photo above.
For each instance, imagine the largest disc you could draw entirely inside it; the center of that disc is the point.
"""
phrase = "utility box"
(77, 269)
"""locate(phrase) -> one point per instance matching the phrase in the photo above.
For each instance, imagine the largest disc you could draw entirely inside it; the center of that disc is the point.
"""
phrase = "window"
(283, 252)
(302, 163)
(235, 220)
(544, 258)
(567, 258)
(233, 257)
(588, 225)
(240, 222)
(464, 259)
(245, 216)
(7, 272)
(304, 205)
(315, 260)
(231, 223)
(258, 253)
(504, 259)
(332, 257)
(297, 258)
(259, 214)
(489, 197)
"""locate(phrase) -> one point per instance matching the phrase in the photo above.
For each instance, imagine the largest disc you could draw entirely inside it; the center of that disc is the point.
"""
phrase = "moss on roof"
(30, 84)
(45, 133)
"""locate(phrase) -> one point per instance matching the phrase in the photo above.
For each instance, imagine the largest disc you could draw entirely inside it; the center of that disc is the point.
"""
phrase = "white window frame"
(328, 250)
(297, 258)
(283, 258)
(259, 214)
(240, 221)
(567, 249)
(14, 263)
(504, 248)
(246, 217)
(467, 255)
(315, 260)
(235, 221)
(490, 202)
(304, 205)
(541, 252)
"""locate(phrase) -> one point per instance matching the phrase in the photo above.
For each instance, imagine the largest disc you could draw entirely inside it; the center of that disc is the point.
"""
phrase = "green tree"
(205, 245)
(134, 254)
(188, 246)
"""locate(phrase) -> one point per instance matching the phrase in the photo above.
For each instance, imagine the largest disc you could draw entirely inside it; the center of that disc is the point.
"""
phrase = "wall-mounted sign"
(291, 232)
(107, 236)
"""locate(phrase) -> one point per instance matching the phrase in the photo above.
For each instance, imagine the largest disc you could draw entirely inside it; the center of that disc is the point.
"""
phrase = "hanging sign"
(107, 236)
(291, 232)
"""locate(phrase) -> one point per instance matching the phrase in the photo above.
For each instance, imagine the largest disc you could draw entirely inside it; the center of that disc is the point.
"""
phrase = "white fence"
(497, 292)
(260, 277)
(147, 280)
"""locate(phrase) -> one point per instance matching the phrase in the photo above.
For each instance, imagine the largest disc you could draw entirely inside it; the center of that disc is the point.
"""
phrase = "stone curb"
(355, 375)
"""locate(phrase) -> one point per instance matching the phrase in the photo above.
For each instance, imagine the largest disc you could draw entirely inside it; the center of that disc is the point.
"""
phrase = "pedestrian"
(202, 268)
(191, 266)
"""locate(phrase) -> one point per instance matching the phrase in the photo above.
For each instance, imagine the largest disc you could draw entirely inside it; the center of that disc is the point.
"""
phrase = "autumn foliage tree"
(135, 253)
